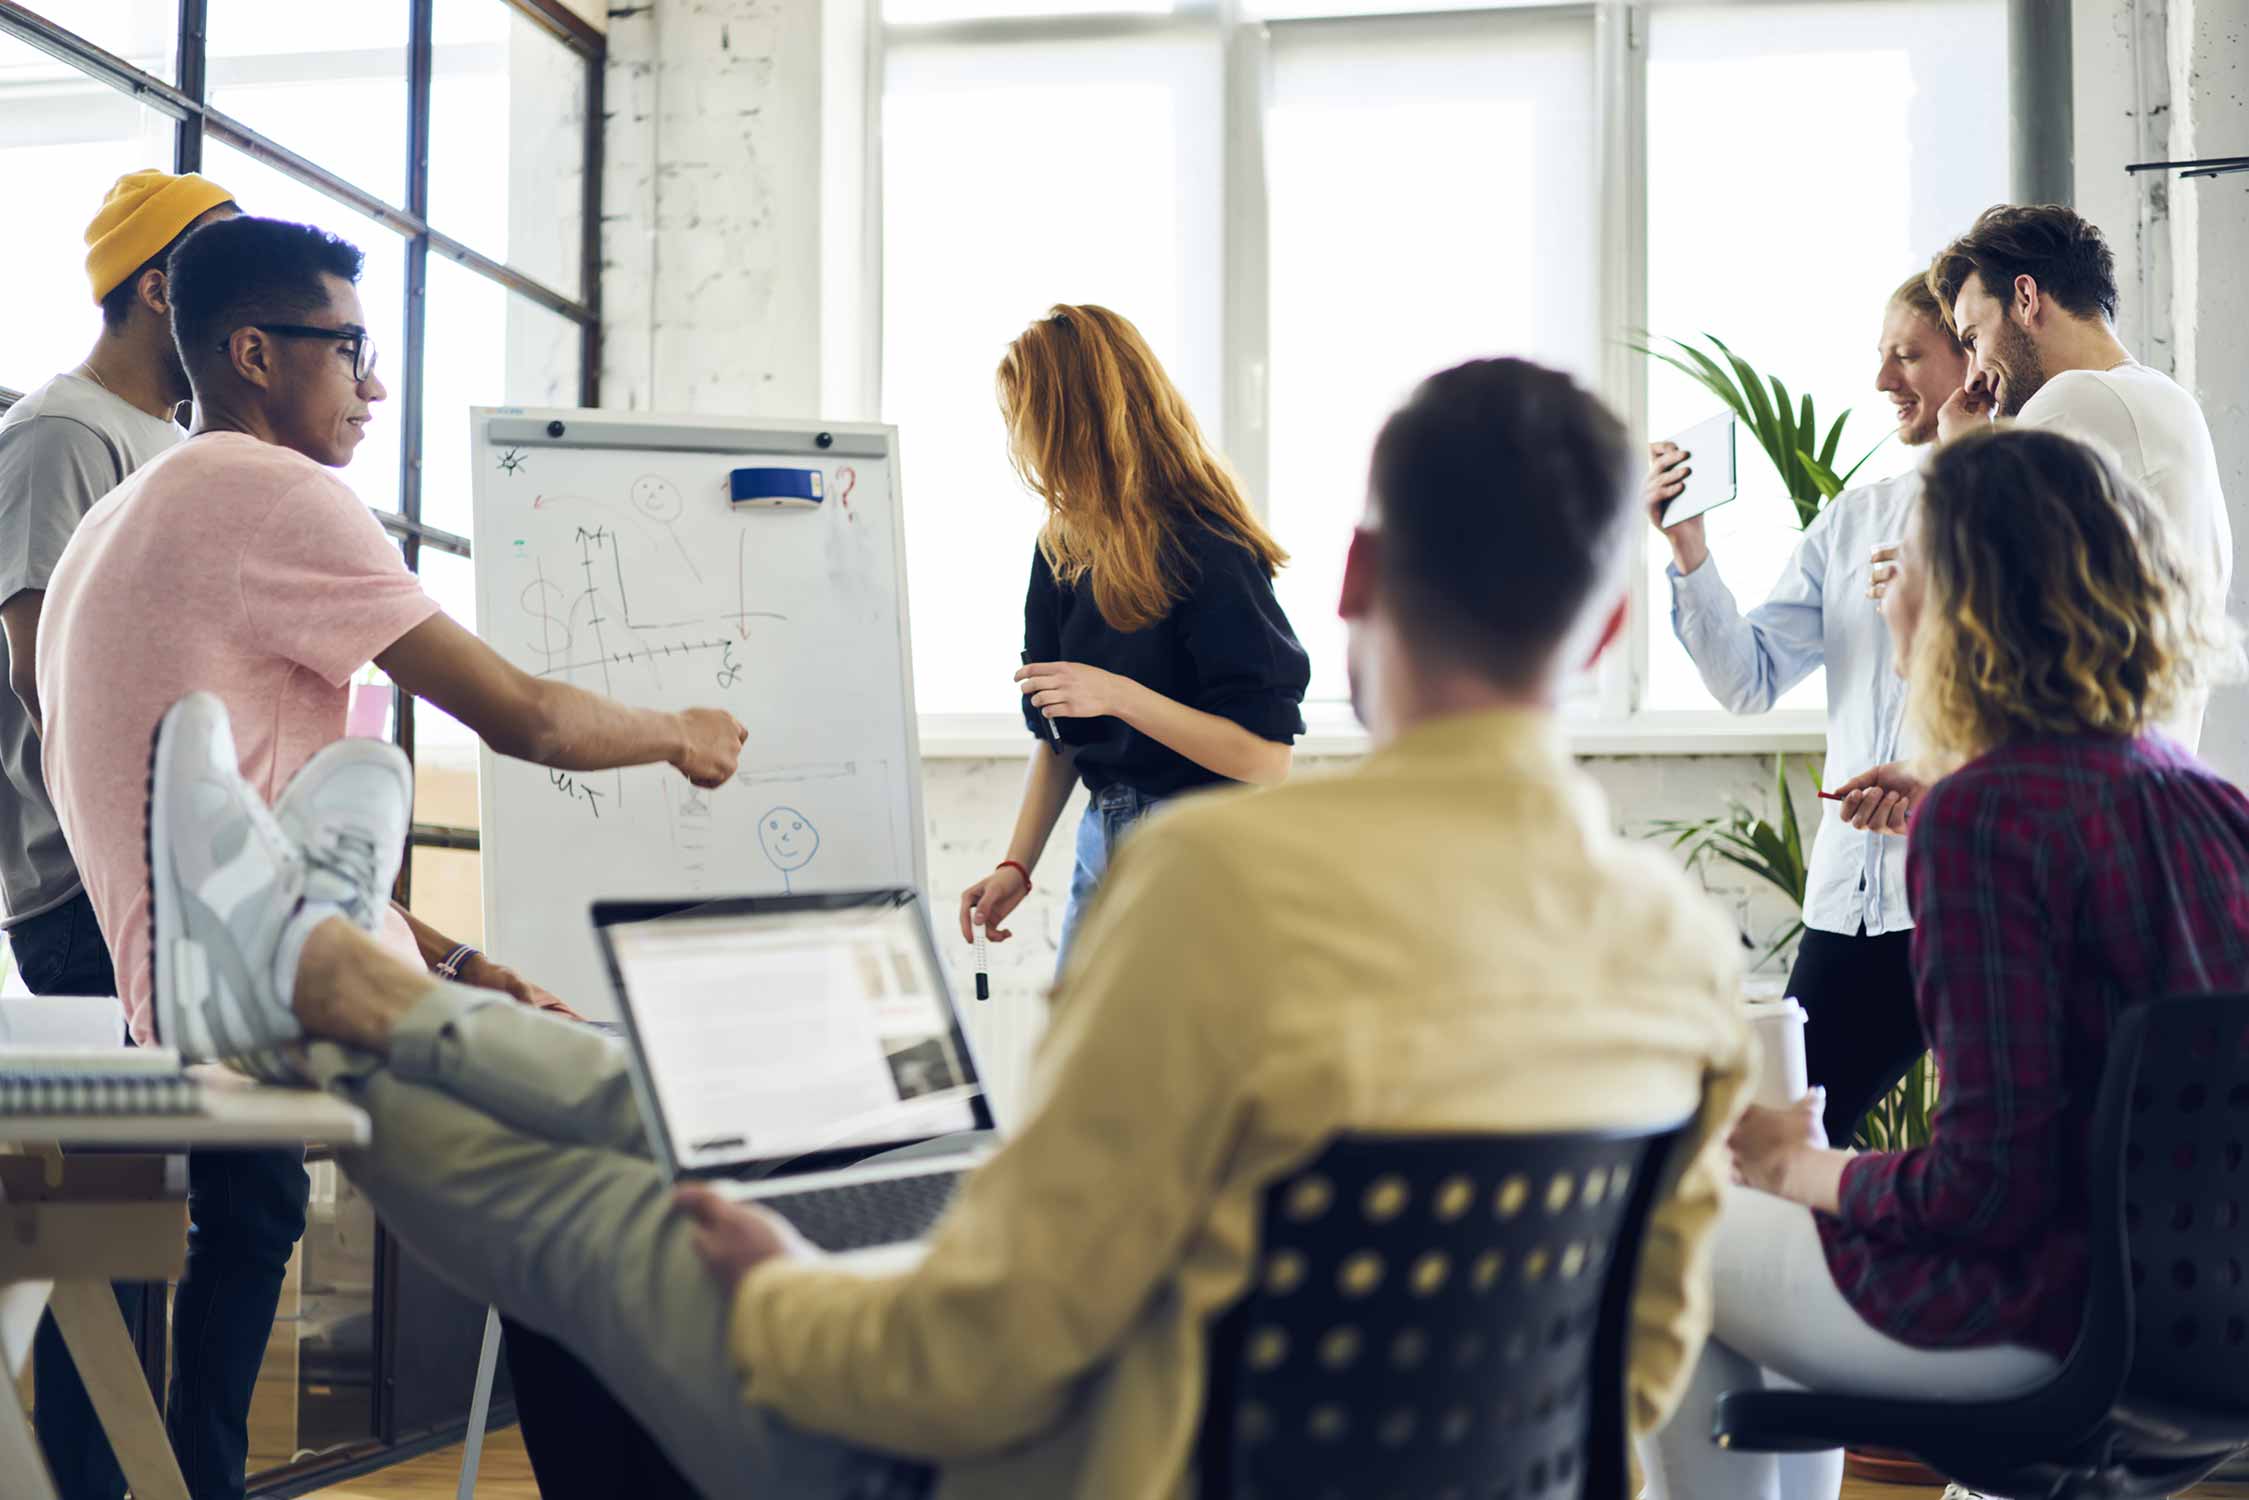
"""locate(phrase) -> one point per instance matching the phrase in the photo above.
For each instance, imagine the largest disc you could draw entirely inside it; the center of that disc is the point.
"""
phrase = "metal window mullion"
(193, 73)
(1245, 354)
(40, 34)
(428, 535)
(589, 231)
(1620, 82)
(563, 24)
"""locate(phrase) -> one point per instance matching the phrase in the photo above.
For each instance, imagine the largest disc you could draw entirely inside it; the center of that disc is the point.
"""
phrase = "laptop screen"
(771, 1030)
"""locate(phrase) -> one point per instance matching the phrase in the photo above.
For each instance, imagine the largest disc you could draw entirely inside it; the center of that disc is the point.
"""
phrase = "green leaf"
(1834, 440)
(1790, 834)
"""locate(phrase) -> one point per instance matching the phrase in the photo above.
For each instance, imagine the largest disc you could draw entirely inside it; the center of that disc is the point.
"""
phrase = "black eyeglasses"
(362, 342)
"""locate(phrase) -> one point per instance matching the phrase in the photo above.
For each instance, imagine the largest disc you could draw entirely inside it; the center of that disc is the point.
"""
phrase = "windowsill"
(1330, 732)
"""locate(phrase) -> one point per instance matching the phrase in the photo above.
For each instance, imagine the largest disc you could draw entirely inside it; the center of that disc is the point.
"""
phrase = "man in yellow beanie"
(62, 448)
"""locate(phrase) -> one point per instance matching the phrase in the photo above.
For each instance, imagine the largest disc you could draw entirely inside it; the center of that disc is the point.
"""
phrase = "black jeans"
(583, 1444)
(1861, 1029)
(246, 1211)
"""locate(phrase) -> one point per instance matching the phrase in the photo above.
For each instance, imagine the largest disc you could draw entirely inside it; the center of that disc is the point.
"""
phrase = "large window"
(1310, 210)
(456, 142)
(450, 141)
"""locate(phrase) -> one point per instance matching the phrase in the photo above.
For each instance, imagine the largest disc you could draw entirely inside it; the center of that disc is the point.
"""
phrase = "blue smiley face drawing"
(788, 839)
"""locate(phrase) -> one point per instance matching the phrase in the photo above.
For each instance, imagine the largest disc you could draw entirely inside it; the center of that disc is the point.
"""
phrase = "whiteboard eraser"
(801, 488)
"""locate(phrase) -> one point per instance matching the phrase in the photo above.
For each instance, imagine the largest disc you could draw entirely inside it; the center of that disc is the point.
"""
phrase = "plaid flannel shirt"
(2053, 883)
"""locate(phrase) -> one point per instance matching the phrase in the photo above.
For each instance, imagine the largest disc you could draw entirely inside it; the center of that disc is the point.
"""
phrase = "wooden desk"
(70, 1225)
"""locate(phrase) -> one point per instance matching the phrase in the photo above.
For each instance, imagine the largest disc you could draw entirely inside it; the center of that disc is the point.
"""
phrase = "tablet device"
(1712, 482)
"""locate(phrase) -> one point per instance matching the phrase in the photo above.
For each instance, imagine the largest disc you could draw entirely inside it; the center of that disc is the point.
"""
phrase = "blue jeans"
(245, 1211)
(1109, 815)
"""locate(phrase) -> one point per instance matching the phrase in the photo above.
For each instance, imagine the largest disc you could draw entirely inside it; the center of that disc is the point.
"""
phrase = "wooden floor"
(506, 1475)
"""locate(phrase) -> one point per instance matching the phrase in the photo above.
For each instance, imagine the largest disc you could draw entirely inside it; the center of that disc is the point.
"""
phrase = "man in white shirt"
(2031, 292)
(1852, 971)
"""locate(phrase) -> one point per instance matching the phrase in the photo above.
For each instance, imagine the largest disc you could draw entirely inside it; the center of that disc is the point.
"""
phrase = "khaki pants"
(508, 1153)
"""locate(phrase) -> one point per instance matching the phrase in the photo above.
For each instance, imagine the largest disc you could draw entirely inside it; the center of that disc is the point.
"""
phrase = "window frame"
(196, 122)
(1616, 723)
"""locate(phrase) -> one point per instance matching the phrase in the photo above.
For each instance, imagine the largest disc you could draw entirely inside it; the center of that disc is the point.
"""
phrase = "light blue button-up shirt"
(1819, 615)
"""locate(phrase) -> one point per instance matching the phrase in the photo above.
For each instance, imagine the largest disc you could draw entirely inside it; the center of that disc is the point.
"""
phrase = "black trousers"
(1861, 1029)
(583, 1444)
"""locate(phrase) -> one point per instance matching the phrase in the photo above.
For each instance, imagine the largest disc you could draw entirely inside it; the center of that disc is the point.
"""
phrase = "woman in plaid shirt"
(2065, 861)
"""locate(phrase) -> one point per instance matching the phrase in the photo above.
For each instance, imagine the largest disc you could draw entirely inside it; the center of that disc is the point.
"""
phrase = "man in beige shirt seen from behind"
(1449, 937)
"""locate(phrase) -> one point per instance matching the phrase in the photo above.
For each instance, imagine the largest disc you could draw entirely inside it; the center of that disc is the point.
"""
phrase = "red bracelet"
(1017, 866)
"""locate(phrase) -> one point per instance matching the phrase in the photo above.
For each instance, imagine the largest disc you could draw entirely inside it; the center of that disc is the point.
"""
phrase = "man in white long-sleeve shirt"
(1852, 970)
(2031, 291)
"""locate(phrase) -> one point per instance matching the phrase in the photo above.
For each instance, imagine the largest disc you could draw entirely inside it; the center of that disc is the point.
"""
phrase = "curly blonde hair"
(2056, 602)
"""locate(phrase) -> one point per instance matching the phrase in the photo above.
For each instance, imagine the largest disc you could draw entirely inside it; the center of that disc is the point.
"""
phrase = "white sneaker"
(1962, 1492)
(349, 809)
(233, 897)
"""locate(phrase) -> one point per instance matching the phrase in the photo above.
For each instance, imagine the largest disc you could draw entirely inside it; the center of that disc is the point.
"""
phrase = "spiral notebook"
(95, 1081)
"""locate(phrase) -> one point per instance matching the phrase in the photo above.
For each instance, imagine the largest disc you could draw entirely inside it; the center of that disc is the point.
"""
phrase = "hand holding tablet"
(1702, 477)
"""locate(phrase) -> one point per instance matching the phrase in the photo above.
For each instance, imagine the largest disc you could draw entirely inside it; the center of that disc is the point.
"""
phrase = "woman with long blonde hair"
(2067, 859)
(1156, 658)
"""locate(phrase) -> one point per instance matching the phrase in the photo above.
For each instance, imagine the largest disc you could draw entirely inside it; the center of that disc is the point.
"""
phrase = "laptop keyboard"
(862, 1215)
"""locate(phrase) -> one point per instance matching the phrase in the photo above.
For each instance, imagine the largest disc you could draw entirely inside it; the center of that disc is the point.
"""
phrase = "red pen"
(1832, 796)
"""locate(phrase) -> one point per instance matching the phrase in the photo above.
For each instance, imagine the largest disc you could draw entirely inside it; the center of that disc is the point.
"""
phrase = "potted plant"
(1784, 426)
(1771, 851)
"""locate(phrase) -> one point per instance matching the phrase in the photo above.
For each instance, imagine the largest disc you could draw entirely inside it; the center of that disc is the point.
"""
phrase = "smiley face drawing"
(657, 498)
(789, 841)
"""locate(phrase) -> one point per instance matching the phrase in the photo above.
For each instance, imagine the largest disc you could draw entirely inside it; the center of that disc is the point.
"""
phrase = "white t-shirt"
(2157, 432)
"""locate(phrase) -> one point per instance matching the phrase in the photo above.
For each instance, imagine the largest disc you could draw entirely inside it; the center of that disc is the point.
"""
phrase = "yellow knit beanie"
(143, 213)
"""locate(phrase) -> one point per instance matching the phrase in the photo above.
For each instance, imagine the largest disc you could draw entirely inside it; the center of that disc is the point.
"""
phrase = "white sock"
(290, 950)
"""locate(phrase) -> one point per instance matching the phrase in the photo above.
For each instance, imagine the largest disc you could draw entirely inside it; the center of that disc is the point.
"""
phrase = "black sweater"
(1225, 648)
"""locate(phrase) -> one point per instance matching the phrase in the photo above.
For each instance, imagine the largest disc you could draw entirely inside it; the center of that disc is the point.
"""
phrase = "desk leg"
(86, 1312)
(480, 1404)
(21, 1304)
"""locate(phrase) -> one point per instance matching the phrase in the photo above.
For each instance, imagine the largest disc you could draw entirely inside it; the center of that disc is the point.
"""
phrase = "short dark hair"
(117, 302)
(2052, 245)
(1504, 490)
(234, 272)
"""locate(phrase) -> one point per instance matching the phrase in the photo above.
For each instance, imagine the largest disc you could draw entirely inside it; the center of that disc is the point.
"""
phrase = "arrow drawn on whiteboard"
(742, 616)
(817, 771)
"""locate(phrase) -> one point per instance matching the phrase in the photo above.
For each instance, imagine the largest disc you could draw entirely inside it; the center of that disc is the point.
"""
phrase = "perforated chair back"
(2184, 1184)
(1436, 1317)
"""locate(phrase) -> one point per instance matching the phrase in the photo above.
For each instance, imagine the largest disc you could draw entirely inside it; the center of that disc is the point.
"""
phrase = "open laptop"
(787, 1049)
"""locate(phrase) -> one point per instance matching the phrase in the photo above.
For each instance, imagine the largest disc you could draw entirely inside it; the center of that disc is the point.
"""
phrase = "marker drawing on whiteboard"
(513, 461)
(847, 480)
(789, 841)
(811, 771)
(742, 614)
(658, 498)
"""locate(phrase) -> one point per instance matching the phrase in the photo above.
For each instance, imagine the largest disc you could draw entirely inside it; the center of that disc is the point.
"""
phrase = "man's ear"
(250, 355)
(155, 293)
(1360, 566)
(2029, 302)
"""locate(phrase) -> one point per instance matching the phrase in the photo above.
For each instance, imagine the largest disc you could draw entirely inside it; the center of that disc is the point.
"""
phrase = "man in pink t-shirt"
(239, 565)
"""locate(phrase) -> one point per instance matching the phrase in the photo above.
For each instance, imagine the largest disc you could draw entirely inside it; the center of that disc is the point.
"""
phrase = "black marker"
(983, 965)
(1053, 730)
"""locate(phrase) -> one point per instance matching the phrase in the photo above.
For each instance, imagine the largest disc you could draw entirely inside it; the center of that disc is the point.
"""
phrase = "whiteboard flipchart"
(610, 553)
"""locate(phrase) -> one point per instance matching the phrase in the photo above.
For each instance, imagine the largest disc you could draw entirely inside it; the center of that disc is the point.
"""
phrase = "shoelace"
(350, 857)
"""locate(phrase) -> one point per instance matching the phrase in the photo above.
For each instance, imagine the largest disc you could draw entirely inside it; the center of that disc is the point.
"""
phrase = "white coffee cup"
(1781, 1076)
